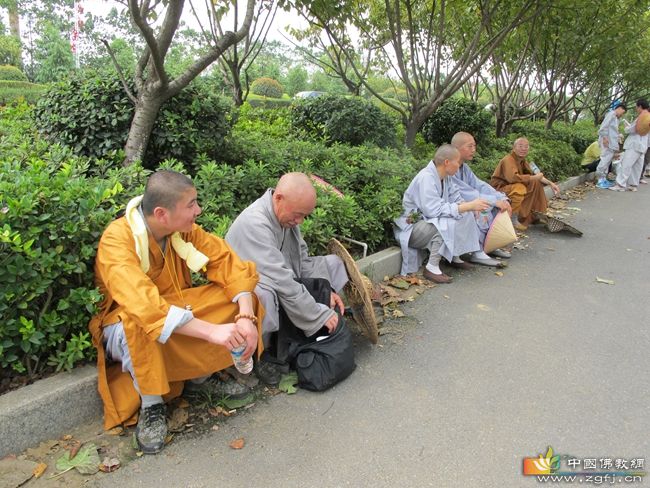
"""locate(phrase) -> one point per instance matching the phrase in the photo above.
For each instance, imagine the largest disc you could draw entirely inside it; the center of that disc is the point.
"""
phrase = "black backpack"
(323, 359)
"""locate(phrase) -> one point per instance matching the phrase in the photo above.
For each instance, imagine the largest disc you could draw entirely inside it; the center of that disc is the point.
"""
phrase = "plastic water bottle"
(243, 366)
(484, 217)
(534, 167)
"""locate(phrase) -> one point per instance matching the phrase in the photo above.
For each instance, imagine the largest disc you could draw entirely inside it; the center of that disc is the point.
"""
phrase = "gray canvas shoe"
(152, 428)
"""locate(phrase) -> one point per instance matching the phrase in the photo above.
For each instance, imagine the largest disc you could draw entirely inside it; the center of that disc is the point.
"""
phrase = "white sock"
(434, 268)
(480, 255)
(456, 259)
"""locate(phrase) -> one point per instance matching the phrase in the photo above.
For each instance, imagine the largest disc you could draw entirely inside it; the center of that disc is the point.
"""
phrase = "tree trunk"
(14, 27)
(146, 112)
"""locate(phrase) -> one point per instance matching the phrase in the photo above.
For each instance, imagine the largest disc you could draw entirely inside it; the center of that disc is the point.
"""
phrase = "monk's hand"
(479, 205)
(504, 206)
(332, 322)
(555, 188)
(226, 335)
(335, 301)
(248, 330)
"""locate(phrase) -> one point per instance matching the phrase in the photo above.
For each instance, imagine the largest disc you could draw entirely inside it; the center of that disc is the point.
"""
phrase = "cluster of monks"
(447, 210)
(157, 334)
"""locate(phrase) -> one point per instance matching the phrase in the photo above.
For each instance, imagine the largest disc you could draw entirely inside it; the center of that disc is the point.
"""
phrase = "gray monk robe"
(281, 256)
(435, 201)
(471, 188)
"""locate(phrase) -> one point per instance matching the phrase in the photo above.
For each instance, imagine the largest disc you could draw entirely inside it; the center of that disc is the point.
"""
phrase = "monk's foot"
(152, 428)
(436, 278)
(217, 387)
(520, 227)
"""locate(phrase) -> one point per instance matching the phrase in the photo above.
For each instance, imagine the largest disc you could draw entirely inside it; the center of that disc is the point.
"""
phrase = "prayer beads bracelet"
(248, 316)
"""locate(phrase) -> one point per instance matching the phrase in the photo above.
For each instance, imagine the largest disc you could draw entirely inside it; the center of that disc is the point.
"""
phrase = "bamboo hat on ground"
(357, 291)
(643, 123)
(501, 233)
(553, 224)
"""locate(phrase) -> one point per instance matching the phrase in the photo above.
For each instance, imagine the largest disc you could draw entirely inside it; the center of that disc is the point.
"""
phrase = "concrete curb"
(53, 406)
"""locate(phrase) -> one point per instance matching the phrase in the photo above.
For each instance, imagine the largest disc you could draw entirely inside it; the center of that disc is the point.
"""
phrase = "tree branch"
(130, 94)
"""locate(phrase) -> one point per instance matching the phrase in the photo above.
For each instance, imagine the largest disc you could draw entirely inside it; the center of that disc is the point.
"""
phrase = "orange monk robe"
(512, 176)
(141, 301)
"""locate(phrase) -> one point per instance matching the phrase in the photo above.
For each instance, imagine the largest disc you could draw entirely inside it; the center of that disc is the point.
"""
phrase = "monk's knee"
(517, 194)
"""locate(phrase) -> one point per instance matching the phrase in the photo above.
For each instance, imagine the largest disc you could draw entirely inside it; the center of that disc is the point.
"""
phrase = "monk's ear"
(160, 214)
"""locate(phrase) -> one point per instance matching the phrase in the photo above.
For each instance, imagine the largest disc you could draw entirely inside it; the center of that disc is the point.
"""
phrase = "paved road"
(488, 370)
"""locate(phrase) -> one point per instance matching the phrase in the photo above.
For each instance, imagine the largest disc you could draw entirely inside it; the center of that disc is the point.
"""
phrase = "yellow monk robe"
(141, 301)
(512, 176)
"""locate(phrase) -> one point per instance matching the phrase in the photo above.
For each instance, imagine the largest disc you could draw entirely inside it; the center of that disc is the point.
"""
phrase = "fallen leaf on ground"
(603, 280)
(485, 308)
(237, 443)
(399, 283)
(234, 403)
(39, 470)
(178, 420)
(288, 383)
(550, 249)
(498, 273)
(86, 461)
(215, 427)
(397, 313)
(109, 465)
(67, 437)
(73, 447)
(115, 431)
(15, 472)
(445, 296)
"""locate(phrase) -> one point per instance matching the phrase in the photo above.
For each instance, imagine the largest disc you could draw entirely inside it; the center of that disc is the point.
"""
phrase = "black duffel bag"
(321, 360)
(325, 360)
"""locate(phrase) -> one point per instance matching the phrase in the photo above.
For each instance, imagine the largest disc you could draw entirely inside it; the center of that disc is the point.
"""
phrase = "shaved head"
(461, 138)
(164, 189)
(294, 198)
(446, 152)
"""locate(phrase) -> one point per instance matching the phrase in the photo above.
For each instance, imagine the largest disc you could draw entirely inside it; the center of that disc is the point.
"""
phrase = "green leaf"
(232, 403)
(288, 383)
(86, 461)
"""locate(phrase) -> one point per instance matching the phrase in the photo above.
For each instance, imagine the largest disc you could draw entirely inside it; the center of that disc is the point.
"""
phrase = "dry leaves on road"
(237, 443)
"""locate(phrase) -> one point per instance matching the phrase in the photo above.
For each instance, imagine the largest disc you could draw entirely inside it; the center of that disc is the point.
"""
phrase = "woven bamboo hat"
(357, 290)
(501, 233)
(553, 224)
(643, 123)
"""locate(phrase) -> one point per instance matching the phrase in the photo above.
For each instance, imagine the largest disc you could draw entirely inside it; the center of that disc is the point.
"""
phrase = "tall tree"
(236, 61)
(417, 40)
(153, 84)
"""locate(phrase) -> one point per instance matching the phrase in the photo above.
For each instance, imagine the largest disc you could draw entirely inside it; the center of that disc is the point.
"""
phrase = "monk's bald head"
(446, 152)
(464, 142)
(164, 189)
(294, 198)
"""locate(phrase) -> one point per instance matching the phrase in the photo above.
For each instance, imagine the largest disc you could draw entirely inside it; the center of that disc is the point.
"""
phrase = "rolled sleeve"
(176, 317)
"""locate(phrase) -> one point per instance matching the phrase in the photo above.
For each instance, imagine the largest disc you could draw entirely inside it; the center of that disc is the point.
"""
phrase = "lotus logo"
(543, 465)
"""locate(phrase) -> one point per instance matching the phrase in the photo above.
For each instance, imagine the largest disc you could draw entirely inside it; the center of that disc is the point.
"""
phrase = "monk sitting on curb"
(524, 187)
(154, 325)
(436, 218)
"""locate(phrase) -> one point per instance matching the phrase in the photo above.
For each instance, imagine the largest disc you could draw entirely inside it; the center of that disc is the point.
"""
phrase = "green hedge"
(53, 212)
(11, 73)
(455, 115)
(15, 91)
(194, 121)
(348, 120)
(579, 135)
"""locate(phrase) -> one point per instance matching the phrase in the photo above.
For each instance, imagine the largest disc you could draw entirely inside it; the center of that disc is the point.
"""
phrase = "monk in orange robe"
(160, 328)
(523, 186)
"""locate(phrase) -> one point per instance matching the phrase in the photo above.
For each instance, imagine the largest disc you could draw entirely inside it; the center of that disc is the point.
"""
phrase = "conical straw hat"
(357, 291)
(501, 233)
(643, 123)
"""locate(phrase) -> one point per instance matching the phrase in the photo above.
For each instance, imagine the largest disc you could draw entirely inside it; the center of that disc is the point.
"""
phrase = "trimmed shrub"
(579, 135)
(270, 103)
(52, 215)
(193, 122)
(11, 73)
(349, 120)
(455, 115)
(14, 91)
(267, 87)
